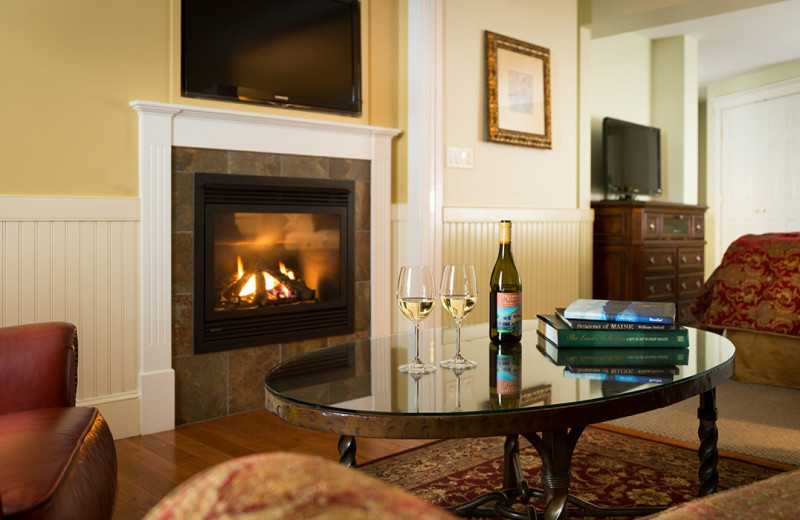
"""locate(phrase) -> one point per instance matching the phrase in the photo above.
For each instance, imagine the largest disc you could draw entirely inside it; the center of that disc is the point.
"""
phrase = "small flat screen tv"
(288, 53)
(631, 159)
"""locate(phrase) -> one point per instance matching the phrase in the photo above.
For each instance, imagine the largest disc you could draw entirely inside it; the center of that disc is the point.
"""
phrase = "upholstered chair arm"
(38, 366)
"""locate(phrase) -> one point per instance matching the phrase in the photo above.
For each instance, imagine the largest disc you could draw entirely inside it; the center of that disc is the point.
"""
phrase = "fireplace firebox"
(274, 260)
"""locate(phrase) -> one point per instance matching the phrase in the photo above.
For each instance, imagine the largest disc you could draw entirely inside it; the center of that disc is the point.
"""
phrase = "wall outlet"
(459, 157)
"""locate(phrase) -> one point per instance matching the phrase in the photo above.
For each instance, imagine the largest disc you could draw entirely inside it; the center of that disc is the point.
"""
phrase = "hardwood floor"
(150, 466)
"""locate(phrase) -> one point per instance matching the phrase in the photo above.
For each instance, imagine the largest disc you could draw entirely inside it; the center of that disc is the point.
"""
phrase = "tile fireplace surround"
(185, 139)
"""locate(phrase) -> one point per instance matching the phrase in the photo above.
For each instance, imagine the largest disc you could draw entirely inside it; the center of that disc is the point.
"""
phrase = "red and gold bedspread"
(755, 287)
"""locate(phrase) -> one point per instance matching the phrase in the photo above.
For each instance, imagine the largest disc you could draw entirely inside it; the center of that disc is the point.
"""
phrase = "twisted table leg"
(347, 451)
(707, 431)
(555, 449)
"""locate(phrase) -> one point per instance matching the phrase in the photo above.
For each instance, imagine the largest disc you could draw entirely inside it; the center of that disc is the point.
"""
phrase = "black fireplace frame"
(216, 331)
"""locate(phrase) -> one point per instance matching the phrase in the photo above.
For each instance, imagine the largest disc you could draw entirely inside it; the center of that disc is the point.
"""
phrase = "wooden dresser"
(645, 250)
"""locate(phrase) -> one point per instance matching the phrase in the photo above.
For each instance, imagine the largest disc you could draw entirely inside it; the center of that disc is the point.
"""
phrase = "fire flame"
(270, 282)
(287, 272)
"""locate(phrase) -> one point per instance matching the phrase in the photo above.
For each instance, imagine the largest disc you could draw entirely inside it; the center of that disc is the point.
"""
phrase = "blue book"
(618, 310)
(622, 378)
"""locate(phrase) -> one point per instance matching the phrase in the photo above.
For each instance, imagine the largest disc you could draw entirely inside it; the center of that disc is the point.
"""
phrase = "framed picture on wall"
(517, 92)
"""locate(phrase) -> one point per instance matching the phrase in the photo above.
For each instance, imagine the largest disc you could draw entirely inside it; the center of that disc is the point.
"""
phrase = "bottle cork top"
(505, 231)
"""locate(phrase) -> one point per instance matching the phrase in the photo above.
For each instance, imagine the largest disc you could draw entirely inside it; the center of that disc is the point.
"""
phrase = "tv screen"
(295, 53)
(631, 159)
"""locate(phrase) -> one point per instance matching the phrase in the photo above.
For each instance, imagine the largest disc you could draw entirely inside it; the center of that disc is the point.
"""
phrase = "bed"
(754, 297)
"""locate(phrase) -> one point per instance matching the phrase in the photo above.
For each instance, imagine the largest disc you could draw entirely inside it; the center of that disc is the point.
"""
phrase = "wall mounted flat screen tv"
(631, 159)
(288, 53)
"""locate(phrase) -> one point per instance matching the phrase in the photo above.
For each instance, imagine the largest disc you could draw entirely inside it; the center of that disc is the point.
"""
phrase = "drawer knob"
(698, 227)
(669, 260)
(698, 259)
(669, 287)
(652, 260)
(684, 259)
(651, 290)
(683, 286)
(652, 225)
(698, 284)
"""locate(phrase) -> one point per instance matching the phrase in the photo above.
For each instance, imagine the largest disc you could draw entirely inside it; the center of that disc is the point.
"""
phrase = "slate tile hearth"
(222, 383)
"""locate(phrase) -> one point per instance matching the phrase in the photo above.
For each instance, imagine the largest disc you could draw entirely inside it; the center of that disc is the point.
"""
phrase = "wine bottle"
(505, 376)
(505, 299)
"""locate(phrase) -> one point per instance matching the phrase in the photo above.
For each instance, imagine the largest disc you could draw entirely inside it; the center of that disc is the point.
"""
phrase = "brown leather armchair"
(56, 460)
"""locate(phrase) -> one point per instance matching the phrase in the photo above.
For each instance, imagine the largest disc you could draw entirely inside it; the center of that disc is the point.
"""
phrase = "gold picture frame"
(517, 92)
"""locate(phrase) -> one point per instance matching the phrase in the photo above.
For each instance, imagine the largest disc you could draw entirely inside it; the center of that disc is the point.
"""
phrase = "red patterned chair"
(56, 460)
(283, 486)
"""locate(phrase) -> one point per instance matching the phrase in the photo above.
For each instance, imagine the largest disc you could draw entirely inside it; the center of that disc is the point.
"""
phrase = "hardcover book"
(612, 325)
(611, 357)
(617, 310)
(559, 333)
(656, 371)
(623, 378)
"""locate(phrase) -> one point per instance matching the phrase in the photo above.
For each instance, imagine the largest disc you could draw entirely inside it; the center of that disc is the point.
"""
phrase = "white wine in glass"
(415, 297)
(459, 293)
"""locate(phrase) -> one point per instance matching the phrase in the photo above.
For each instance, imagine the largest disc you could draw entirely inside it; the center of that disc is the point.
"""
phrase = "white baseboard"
(120, 411)
(158, 400)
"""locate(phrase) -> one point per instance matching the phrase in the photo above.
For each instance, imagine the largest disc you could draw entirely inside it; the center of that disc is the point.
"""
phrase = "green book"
(611, 356)
(551, 327)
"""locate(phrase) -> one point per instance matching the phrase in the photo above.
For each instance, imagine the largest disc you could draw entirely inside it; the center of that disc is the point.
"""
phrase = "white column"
(425, 133)
(381, 281)
(156, 377)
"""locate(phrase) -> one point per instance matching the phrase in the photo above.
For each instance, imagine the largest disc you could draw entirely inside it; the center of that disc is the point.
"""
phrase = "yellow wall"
(70, 70)
(507, 175)
(619, 87)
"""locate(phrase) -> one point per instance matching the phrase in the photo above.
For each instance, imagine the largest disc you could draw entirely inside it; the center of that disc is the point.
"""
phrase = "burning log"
(232, 291)
(297, 287)
(291, 291)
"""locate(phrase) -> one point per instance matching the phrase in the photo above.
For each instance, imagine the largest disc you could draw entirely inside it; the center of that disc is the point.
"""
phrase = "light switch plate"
(459, 157)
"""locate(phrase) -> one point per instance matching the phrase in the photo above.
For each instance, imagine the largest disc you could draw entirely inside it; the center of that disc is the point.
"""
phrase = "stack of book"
(609, 340)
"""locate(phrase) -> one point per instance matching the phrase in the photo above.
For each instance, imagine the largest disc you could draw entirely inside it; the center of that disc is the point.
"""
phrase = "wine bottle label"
(509, 312)
(508, 380)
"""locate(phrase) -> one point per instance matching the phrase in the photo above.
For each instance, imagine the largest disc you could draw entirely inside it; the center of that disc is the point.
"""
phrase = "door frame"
(717, 106)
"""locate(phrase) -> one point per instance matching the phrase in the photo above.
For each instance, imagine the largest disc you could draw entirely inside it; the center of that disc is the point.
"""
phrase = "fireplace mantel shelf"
(261, 119)
(164, 125)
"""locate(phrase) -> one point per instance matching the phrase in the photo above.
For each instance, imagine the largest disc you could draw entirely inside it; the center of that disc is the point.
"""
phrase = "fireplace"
(274, 260)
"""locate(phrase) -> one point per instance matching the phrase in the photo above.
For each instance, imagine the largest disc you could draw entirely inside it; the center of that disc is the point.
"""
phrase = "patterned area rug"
(609, 469)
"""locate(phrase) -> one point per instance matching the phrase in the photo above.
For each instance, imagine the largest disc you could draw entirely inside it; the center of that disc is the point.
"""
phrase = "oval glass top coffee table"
(354, 389)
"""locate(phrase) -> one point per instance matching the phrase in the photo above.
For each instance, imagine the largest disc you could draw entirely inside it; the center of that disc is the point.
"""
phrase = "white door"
(760, 168)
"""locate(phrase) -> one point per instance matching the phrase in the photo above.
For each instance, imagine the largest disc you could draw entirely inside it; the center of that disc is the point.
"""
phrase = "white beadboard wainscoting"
(552, 249)
(76, 259)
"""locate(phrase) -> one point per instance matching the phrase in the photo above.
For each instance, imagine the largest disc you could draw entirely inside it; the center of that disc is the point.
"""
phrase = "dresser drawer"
(698, 226)
(659, 287)
(676, 225)
(659, 259)
(688, 284)
(690, 258)
(652, 225)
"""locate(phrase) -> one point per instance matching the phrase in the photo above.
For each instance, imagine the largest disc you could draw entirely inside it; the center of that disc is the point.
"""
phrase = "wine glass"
(458, 292)
(415, 297)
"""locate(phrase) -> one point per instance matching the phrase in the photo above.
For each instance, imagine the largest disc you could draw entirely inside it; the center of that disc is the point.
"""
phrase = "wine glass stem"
(458, 338)
(416, 343)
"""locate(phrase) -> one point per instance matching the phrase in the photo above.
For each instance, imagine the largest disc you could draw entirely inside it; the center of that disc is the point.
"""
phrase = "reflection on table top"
(362, 376)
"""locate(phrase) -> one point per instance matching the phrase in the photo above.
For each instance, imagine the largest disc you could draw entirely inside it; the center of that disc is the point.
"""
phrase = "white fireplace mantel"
(164, 125)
